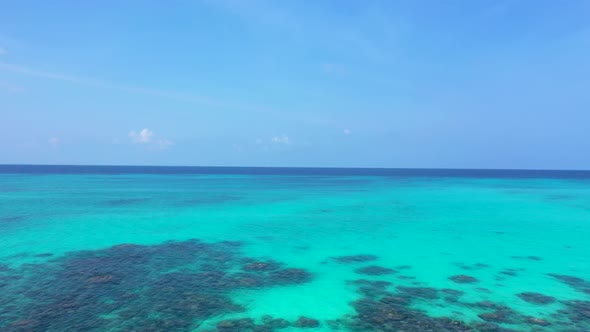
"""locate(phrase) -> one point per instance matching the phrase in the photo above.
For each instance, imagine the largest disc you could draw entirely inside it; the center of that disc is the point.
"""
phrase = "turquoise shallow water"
(197, 252)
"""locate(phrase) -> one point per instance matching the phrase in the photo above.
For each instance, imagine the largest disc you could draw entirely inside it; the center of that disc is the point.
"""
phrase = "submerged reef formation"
(393, 311)
(384, 309)
(173, 286)
(576, 283)
(249, 325)
(470, 267)
(536, 298)
(191, 285)
(125, 201)
(463, 279)
(306, 322)
(355, 258)
(384, 306)
(374, 270)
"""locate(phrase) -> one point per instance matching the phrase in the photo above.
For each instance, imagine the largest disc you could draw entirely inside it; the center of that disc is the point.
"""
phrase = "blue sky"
(460, 84)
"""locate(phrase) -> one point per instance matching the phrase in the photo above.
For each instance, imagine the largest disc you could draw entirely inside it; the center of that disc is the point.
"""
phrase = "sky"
(425, 84)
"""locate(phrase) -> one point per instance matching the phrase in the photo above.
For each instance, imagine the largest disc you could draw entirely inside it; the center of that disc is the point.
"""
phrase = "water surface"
(262, 249)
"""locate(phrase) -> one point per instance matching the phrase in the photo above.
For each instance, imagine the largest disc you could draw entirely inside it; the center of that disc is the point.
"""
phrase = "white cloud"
(347, 131)
(164, 143)
(144, 136)
(258, 141)
(282, 139)
(3, 51)
(54, 141)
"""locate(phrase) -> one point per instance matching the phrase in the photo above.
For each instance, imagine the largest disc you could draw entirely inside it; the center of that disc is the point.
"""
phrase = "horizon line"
(307, 167)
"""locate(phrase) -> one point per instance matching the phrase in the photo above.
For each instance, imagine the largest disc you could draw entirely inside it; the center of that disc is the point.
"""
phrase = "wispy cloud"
(370, 39)
(143, 136)
(347, 131)
(156, 92)
(275, 143)
(164, 143)
(260, 12)
(10, 88)
(146, 136)
(2, 51)
(54, 141)
(282, 139)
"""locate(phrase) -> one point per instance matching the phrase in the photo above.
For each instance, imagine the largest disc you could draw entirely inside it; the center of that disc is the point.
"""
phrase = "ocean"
(97, 248)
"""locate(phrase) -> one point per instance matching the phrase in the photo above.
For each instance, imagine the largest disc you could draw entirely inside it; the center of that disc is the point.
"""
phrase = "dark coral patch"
(306, 322)
(468, 267)
(483, 290)
(274, 323)
(371, 283)
(395, 312)
(509, 272)
(536, 321)
(536, 298)
(576, 283)
(289, 276)
(236, 325)
(463, 279)
(560, 197)
(498, 316)
(261, 266)
(577, 311)
(570, 280)
(336, 324)
(490, 305)
(418, 292)
(355, 259)
(490, 327)
(173, 286)
(374, 270)
(452, 292)
(393, 299)
(126, 201)
(10, 219)
(530, 258)
(389, 316)
(209, 200)
(371, 288)
(451, 295)
(406, 277)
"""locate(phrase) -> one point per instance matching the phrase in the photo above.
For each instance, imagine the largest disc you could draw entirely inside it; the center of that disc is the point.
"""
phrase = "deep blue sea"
(122, 248)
